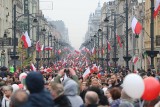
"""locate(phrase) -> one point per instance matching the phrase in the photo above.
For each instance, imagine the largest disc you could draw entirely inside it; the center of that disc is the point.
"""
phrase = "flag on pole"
(77, 52)
(119, 40)
(136, 26)
(33, 68)
(48, 48)
(86, 73)
(42, 47)
(156, 8)
(109, 46)
(135, 59)
(94, 50)
(26, 40)
(38, 46)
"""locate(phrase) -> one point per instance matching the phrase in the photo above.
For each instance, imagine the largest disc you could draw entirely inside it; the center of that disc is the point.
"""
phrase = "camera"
(66, 71)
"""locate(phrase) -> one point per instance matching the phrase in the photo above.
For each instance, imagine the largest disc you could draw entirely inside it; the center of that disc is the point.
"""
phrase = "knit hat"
(35, 82)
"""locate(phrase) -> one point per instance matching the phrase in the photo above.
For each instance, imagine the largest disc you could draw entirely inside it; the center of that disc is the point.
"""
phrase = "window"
(158, 40)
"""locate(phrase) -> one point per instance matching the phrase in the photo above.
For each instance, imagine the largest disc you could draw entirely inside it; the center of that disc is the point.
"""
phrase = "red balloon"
(152, 89)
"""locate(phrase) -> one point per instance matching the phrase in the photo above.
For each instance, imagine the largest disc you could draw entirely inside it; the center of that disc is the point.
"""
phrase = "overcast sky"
(74, 13)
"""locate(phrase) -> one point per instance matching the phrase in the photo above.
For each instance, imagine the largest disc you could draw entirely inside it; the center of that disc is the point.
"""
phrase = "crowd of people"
(67, 88)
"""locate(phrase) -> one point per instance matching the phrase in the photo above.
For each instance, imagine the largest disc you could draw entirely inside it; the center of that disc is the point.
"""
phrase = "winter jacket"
(41, 99)
(115, 103)
(5, 102)
(62, 101)
(71, 91)
(125, 103)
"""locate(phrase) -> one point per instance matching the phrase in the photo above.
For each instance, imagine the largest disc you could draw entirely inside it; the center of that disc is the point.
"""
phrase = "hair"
(115, 93)
(57, 87)
(92, 97)
(19, 98)
(8, 87)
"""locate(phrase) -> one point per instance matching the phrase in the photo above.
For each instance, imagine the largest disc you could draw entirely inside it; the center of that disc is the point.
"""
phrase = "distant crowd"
(67, 88)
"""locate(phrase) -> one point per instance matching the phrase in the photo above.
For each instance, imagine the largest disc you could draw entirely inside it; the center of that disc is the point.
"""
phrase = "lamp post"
(37, 39)
(95, 37)
(115, 59)
(127, 58)
(107, 54)
(152, 53)
(14, 57)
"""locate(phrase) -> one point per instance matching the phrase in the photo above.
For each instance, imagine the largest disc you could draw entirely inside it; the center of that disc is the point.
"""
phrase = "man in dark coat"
(39, 97)
(3, 72)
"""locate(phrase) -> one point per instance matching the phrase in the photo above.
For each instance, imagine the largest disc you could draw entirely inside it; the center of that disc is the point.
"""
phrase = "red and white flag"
(136, 26)
(135, 59)
(26, 40)
(33, 68)
(38, 46)
(59, 51)
(94, 50)
(48, 48)
(77, 52)
(42, 47)
(109, 46)
(156, 8)
(86, 73)
(119, 40)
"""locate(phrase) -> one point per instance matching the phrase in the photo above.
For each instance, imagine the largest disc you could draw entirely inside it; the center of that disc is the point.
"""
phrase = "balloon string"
(141, 103)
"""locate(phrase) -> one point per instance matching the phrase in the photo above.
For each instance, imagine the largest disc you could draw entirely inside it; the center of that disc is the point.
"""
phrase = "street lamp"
(115, 59)
(127, 58)
(152, 53)
(107, 37)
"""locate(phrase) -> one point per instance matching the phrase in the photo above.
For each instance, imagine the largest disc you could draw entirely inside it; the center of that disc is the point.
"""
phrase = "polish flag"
(48, 48)
(42, 47)
(109, 46)
(59, 51)
(119, 40)
(26, 40)
(38, 46)
(86, 73)
(136, 26)
(156, 8)
(94, 50)
(33, 68)
(102, 51)
(135, 59)
(76, 51)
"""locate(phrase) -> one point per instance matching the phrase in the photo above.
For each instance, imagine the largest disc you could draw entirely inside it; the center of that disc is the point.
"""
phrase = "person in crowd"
(7, 91)
(57, 92)
(39, 96)
(91, 99)
(103, 101)
(115, 95)
(3, 72)
(114, 82)
(126, 101)
(71, 91)
(19, 98)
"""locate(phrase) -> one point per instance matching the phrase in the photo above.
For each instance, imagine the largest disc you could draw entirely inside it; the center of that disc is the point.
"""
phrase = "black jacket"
(41, 99)
(62, 101)
(90, 105)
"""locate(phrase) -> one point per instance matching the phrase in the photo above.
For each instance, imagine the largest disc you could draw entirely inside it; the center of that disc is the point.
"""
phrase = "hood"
(37, 100)
(70, 87)
(34, 82)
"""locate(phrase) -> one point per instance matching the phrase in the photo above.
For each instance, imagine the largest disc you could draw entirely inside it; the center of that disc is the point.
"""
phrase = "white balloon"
(134, 85)
(22, 75)
(15, 87)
